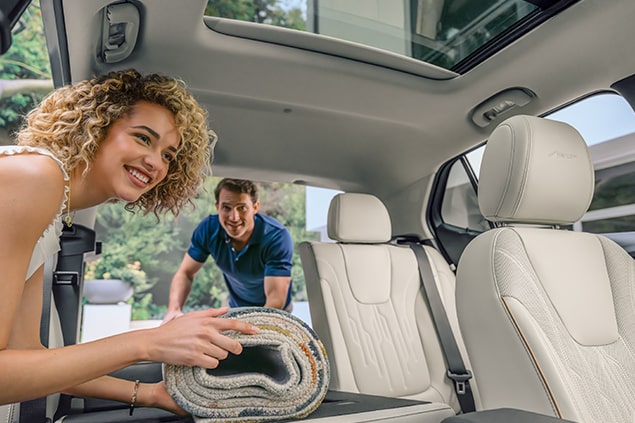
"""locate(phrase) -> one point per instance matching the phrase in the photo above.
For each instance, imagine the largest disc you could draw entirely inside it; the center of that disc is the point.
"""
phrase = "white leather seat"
(547, 315)
(368, 308)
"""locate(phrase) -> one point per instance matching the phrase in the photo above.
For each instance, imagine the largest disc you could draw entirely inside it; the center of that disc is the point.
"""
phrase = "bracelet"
(133, 400)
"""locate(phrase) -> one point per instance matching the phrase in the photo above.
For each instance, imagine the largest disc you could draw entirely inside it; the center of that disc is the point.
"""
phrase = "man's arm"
(276, 289)
(181, 286)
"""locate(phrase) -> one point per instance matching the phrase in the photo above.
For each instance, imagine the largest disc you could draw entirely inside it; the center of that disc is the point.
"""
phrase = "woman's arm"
(31, 191)
(147, 394)
(194, 339)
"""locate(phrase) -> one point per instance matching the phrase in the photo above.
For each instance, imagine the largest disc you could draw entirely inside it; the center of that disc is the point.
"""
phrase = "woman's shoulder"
(28, 178)
(31, 160)
(31, 173)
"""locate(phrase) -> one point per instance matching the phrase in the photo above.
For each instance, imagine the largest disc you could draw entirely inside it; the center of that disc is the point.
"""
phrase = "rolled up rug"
(282, 373)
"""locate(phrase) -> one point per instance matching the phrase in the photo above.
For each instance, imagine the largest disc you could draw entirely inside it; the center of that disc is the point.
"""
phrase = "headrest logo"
(562, 155)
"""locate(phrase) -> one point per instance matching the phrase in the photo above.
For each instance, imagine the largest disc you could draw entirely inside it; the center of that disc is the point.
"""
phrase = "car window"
(453, 214)
(447, 34)
(607, 123)
(460, 203)
(317, 206)
(25, 74)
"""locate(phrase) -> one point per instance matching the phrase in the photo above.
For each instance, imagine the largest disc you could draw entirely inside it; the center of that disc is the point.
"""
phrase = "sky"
(599, 118)
(294, 4)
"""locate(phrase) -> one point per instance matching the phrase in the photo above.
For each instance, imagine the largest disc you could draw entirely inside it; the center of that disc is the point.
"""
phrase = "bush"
(115, 263)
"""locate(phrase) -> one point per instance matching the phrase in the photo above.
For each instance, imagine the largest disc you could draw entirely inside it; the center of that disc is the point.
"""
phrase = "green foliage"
(26, 59)
(144, 309)
(209, 288)
(261, 11)
(286, 203)
(147, 239)
(119, 263)
(160, 245)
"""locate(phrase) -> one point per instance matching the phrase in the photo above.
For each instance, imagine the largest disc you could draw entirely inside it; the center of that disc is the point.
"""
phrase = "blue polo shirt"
(269, 252)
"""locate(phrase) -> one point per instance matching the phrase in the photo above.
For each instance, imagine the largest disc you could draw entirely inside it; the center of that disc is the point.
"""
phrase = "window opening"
(607, 123)
(445, 33)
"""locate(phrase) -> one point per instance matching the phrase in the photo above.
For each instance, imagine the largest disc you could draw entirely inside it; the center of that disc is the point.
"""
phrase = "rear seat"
(368, 308)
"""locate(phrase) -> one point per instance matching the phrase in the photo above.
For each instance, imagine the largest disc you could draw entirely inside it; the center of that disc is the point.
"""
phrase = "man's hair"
(73, 120)
(239, 186)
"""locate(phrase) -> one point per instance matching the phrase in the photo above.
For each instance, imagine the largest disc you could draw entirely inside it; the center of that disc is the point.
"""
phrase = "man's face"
(236, 214)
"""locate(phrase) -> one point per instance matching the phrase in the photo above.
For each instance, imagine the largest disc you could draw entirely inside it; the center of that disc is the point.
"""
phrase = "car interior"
(561, 291)
(440, 123)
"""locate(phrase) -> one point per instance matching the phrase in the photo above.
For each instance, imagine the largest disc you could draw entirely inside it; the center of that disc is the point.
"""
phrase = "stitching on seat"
(533, 358)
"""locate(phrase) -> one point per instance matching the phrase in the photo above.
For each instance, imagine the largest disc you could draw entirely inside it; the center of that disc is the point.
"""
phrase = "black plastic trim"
(56, 43)
(437, 226)
(10, 12)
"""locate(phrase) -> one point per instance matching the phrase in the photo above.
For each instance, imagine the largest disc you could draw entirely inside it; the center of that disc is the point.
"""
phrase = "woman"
(122, 136)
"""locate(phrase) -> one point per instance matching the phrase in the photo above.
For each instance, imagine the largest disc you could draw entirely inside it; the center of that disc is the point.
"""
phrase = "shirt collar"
(256, 235)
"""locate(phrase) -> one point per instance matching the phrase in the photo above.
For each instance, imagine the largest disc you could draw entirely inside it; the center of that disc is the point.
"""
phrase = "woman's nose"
(154, 161)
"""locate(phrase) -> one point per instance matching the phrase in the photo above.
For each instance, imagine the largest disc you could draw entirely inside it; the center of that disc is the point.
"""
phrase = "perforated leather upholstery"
(547, 315)
(368, 308)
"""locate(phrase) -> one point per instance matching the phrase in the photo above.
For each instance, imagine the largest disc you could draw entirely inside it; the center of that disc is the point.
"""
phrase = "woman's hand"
(195, 339)
(160, 398)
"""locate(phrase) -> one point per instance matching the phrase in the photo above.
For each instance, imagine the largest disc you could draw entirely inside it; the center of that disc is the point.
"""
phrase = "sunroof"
(452, 34)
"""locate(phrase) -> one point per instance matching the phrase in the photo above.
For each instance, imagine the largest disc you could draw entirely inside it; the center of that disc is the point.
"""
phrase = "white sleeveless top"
(48, 243)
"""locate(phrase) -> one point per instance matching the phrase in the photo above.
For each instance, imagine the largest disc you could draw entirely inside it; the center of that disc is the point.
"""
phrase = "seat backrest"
(368, 308)
(547, 314)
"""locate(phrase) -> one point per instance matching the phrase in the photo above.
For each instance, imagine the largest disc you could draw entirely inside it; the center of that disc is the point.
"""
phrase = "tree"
(260, 11)
(159, 246)
(287, 203)
(27, 60)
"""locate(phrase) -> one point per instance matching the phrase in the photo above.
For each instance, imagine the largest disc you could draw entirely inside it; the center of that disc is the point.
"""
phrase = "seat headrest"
(361, 218)
(535, 170)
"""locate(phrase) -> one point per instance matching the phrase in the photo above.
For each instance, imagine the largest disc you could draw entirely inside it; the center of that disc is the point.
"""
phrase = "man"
(254, 252)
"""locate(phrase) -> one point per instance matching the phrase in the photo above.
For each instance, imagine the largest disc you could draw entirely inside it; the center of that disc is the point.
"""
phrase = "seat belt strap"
(35, 410)
(47, 292)
(456, 367)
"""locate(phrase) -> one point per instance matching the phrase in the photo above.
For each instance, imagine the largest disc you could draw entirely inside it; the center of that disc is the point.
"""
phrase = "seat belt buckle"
(460, 380)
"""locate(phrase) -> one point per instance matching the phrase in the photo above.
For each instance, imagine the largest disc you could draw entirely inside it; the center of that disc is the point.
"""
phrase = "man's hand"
(171, 315)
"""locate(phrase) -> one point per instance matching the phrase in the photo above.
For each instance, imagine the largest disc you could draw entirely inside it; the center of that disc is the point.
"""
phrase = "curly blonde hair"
(72, 121)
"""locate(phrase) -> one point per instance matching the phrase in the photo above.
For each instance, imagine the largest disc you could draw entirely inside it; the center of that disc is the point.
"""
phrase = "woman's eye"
(143, 138)
(168, 157)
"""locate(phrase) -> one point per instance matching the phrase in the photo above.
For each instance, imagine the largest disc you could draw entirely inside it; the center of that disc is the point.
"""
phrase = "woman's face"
(134, 156)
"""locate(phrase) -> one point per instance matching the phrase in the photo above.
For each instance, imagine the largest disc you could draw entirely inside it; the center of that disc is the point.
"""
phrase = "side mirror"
(10, 12)
(5, 33)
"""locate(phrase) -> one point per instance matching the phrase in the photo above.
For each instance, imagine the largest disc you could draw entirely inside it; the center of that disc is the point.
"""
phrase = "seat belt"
(35, 410)
(456, 368)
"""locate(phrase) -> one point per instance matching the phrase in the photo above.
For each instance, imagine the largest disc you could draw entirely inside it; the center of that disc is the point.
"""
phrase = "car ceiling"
(292, 114)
